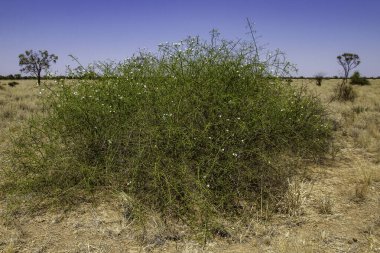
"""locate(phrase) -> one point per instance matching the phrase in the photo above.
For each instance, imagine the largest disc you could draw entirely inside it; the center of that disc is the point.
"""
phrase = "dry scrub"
(334, 208)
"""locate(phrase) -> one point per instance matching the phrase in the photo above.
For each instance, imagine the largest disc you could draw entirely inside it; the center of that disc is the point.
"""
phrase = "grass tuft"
(325, 205)
(344, 92)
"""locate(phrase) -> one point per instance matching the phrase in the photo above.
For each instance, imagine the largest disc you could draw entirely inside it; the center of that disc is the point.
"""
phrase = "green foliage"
(357, 79)
(194, 131)
(12, 84)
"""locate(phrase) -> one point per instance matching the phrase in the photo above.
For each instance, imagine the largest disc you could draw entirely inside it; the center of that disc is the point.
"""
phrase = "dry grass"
(359, 120)
(16, 105)
(336, 210)
(325, 205)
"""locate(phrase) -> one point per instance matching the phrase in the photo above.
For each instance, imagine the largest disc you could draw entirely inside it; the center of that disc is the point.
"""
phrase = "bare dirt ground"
(337, 208)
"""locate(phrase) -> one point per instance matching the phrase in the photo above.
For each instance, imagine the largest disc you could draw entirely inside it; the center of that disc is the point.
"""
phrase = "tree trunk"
(39, 77)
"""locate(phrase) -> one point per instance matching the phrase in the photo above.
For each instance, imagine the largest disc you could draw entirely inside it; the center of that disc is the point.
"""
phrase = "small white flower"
(208, 186)
(235, 154)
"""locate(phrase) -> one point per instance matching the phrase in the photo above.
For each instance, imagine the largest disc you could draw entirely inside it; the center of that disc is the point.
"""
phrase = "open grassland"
(334, 207)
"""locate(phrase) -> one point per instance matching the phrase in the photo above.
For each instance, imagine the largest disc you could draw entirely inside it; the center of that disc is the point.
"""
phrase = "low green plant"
(356, 78)
(195, 131)
(12, 84)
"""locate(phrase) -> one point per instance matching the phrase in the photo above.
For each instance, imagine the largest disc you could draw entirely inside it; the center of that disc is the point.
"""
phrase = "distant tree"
(34, 62)
(319, 78)
(348, 61)
(344, 90)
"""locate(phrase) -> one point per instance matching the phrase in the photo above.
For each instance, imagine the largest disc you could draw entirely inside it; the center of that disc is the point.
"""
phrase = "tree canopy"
(34, 62)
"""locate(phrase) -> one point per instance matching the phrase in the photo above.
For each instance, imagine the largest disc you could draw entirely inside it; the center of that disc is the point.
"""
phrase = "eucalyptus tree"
(34, 62)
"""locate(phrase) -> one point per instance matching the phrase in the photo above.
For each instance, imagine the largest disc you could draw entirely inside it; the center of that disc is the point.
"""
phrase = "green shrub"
(194, 131)
(12, 84)
(357, 79)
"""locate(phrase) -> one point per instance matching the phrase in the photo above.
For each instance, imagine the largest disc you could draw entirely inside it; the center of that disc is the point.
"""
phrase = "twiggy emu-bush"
(193, 131)
(344, 92)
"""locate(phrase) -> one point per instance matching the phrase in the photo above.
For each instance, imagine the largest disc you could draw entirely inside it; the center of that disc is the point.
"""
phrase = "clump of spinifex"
(198, 130)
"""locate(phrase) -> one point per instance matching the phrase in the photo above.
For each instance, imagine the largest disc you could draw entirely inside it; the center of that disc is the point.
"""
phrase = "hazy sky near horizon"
(311, 32)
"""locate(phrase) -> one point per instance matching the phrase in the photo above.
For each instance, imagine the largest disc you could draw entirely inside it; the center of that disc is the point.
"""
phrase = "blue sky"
(311, 32)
